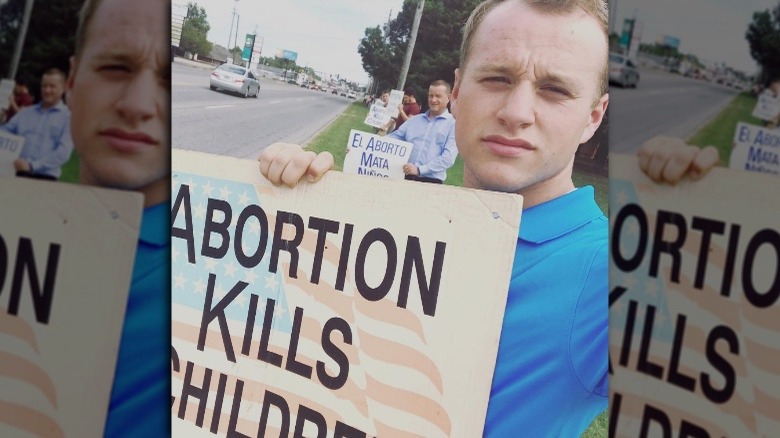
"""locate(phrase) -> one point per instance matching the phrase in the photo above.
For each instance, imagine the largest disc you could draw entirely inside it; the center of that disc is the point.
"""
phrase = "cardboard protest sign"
(332, 309)
(694, 327)
(376, 155)
(66, 260)
(10, 148)
(6, 89)
(756, 149)
(379, 114)
(767, 107)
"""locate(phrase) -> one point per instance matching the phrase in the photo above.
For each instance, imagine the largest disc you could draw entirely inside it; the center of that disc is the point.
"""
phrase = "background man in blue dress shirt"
(46, 131)
(433, 135)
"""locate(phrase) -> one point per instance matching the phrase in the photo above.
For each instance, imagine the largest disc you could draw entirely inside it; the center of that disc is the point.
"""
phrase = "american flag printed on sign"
(695, 334)
(28, 401)
(394, 388)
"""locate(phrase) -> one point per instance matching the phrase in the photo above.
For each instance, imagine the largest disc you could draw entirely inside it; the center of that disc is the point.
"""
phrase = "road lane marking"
(218, 106)
(274, 101)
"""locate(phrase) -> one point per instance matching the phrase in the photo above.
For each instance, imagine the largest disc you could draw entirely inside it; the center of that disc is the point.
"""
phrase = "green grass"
(70, 170)
(334, 139)
(719, 132)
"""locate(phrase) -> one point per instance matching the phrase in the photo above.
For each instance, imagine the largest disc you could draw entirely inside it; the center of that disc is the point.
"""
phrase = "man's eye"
(114, 68)
(496, 79)
(556, 90)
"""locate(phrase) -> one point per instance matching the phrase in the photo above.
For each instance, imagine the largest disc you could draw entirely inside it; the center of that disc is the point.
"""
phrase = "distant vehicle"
(323, 89)
(334, 91)
(352, 95)
(622, 71)
(236, 79)
(343, 93)
(304, 85)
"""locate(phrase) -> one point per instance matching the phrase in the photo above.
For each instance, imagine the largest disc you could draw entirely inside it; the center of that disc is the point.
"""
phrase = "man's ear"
(595, 117)
(454, 94)
(71, 73)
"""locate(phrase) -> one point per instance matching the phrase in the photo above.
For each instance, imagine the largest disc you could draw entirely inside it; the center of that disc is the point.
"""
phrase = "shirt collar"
(59, 106)
(559, 216)
(445, 115)
(156, 225)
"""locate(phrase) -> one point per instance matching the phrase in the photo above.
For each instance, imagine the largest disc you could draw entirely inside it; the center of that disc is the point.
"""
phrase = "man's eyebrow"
(544, 76)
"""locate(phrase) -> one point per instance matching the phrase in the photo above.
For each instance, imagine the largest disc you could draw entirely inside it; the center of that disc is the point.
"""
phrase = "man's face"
(20, 89)
(384, 97)
(438, 98)
(52, 87)
(119, 92)
(524, 101)
(405, 100)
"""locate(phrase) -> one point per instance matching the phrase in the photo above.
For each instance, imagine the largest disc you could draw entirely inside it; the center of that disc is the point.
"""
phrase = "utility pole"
(235, 40)
(28, 5)
(410, 47)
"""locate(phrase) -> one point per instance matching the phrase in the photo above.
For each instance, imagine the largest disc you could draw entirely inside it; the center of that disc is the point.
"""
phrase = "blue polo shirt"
(434, 148)
(141, 395)
(550, 378)
(47, 140)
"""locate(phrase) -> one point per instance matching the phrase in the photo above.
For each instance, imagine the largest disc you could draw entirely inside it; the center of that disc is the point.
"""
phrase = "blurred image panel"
(84, 237)
(695, 242)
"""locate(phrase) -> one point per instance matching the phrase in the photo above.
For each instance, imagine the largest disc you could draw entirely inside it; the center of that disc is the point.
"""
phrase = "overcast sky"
(713, 30)
(325, 34)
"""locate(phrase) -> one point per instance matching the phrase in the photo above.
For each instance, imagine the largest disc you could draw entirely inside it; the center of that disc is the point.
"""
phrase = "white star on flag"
(250, 276)
(270, 281)
(179, 280)
(191, 185)
(200, 287)
(199, 211)
(207, 189)
(210, 264)
(174, 254)
(225, 193)
(230, 269)
(243, 199)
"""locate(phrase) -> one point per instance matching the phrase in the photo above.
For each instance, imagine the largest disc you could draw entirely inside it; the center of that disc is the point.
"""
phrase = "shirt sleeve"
(446, 159)
(60, 152)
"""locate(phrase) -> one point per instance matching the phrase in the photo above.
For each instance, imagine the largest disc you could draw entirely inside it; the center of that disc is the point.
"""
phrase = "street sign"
(249, 44)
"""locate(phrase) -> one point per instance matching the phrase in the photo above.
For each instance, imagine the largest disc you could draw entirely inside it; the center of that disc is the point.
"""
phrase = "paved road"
(226, 124)
(664, 103)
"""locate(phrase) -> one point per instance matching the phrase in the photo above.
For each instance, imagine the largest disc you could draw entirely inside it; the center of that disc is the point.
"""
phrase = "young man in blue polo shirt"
(119, 95)
(531, 87)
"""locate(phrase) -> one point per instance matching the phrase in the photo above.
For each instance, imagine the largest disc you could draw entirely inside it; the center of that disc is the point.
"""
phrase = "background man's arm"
(447, 157)
(56, 157)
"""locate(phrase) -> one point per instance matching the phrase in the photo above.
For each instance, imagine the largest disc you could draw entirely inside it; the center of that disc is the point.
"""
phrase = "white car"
(622, 71)
(236, 79)
(352, 95)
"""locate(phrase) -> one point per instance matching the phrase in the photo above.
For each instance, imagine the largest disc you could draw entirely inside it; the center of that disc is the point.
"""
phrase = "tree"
(196, 28)
(50, 39)
(436, 52)
(763, 37)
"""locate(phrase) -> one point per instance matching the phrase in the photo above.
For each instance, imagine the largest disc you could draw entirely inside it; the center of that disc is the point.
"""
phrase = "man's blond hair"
(85, 17)
(595, 8)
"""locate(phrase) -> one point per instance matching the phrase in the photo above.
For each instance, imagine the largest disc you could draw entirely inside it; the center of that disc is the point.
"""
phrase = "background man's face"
(52, 87)
(438, 98)
(385, 97)
(119, 97)
(524, 101)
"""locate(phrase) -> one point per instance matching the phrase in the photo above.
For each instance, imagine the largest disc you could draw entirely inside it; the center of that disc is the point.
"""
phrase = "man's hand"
(669, 159)
(21, 165)
(411, 169)
(285, 163)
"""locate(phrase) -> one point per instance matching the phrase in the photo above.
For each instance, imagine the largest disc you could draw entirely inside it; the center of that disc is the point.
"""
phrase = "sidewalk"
(194, 64)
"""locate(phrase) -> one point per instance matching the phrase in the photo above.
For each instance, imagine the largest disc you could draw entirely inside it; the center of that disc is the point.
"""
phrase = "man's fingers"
(706, 159)
(678, 164)
(278, 164)
(322, 163)
(296, 167)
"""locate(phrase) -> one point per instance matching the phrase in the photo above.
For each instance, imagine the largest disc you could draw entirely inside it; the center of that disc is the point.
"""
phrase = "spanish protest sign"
(66, 260)
(755, 149)
(10, 148)
(375, 155)
(379, 114)
(332, 309)
(767, 106)
(694, 328)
